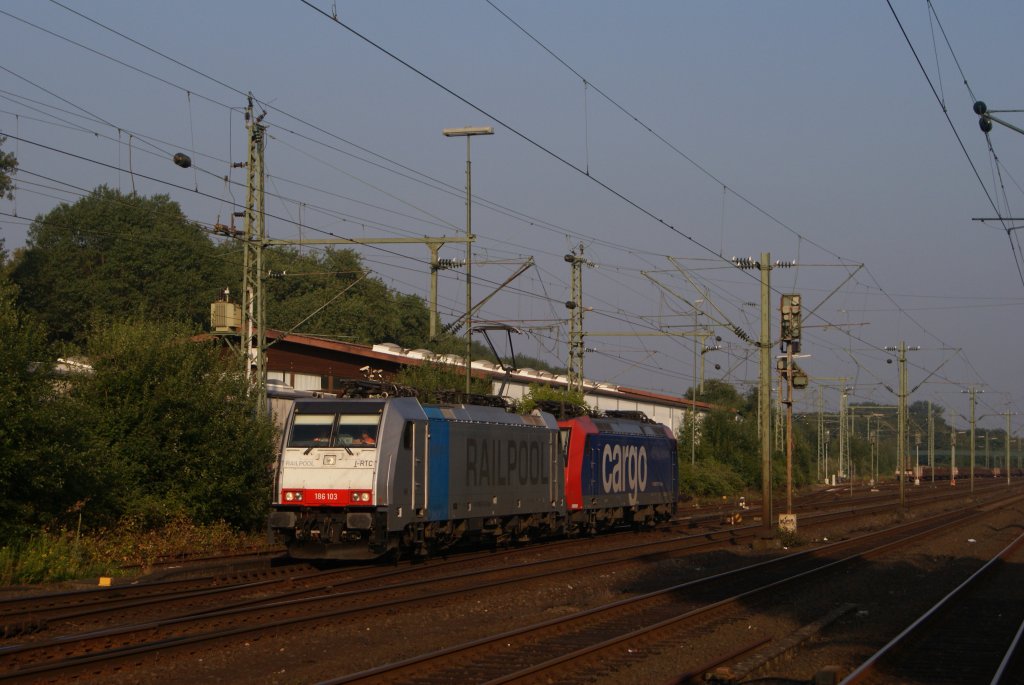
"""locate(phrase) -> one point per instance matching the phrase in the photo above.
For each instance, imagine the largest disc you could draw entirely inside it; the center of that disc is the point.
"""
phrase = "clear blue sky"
(690, 130)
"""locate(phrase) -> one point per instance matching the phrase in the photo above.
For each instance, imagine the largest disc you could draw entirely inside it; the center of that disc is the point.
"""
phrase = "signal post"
(793, 377)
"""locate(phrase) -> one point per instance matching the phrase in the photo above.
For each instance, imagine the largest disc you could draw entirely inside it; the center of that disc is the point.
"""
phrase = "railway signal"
(793, 377)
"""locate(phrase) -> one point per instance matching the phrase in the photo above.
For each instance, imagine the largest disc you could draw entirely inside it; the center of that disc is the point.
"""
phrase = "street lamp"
(468, 132)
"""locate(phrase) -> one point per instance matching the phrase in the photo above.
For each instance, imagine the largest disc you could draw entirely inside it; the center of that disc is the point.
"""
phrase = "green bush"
(54, 556)
(709, 478)
(549, 398)
(51, 557)
(166, 429)
(163, 428)
(432, 379)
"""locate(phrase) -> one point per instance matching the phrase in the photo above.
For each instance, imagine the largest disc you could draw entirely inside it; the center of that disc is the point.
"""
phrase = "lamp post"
(468, 132)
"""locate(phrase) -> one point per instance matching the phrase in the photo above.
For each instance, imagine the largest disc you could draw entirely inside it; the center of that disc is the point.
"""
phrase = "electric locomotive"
(620, 469)
(360, 478)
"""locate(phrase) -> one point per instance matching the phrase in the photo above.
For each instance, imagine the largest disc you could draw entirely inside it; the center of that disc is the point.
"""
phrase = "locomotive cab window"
(312, 430)
(359, 430)
(563, 444)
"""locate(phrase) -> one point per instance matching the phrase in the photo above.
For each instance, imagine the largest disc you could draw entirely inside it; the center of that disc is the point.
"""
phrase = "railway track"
(195, 618)
(607, 639)
(972, 635)
(99, 608)
(320, 599)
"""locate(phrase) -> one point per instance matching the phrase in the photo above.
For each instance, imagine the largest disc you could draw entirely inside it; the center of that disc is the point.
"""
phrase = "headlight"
(366, 497)
(289, 496)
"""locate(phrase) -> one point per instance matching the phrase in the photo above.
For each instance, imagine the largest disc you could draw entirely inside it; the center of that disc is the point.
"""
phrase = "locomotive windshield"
(356, 429)
(334, 430)
(312, 430)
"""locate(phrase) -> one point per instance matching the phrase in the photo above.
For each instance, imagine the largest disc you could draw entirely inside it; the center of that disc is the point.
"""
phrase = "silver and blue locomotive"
(359, 478)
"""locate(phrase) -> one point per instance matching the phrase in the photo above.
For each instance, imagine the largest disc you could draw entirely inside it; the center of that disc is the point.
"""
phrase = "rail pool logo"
(501, 462)
(624, 469)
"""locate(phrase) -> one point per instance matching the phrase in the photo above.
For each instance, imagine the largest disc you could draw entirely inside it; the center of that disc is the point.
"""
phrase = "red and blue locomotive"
(620, 469)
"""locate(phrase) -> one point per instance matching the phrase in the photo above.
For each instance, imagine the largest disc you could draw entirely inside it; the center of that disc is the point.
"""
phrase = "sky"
(657, 139)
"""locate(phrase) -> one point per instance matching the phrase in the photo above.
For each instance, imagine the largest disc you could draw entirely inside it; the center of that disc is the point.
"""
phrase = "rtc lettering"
(624, 469)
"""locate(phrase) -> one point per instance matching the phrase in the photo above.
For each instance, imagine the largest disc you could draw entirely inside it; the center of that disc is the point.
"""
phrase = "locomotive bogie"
(332, 535)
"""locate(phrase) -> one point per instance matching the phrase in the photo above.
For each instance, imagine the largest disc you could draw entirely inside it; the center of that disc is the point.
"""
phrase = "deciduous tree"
(112, 254)
(167, 429)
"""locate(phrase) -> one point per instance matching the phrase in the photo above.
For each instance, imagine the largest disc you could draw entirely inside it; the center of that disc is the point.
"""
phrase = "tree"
(432, 379)
(8, 167)
(110, 254)
(558, 401)
(165, 428)
(27, 404)
(331, 293)
(720, 394)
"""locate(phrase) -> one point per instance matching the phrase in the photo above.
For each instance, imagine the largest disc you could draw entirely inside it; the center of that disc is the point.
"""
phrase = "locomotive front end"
(326, 503)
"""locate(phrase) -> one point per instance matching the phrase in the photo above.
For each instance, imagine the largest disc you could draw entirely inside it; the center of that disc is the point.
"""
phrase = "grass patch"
(53, 556)
(47, 557)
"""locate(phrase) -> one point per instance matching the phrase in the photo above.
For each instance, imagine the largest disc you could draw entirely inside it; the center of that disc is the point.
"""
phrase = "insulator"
(182, 160)
(980, 107)
(746, 262)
